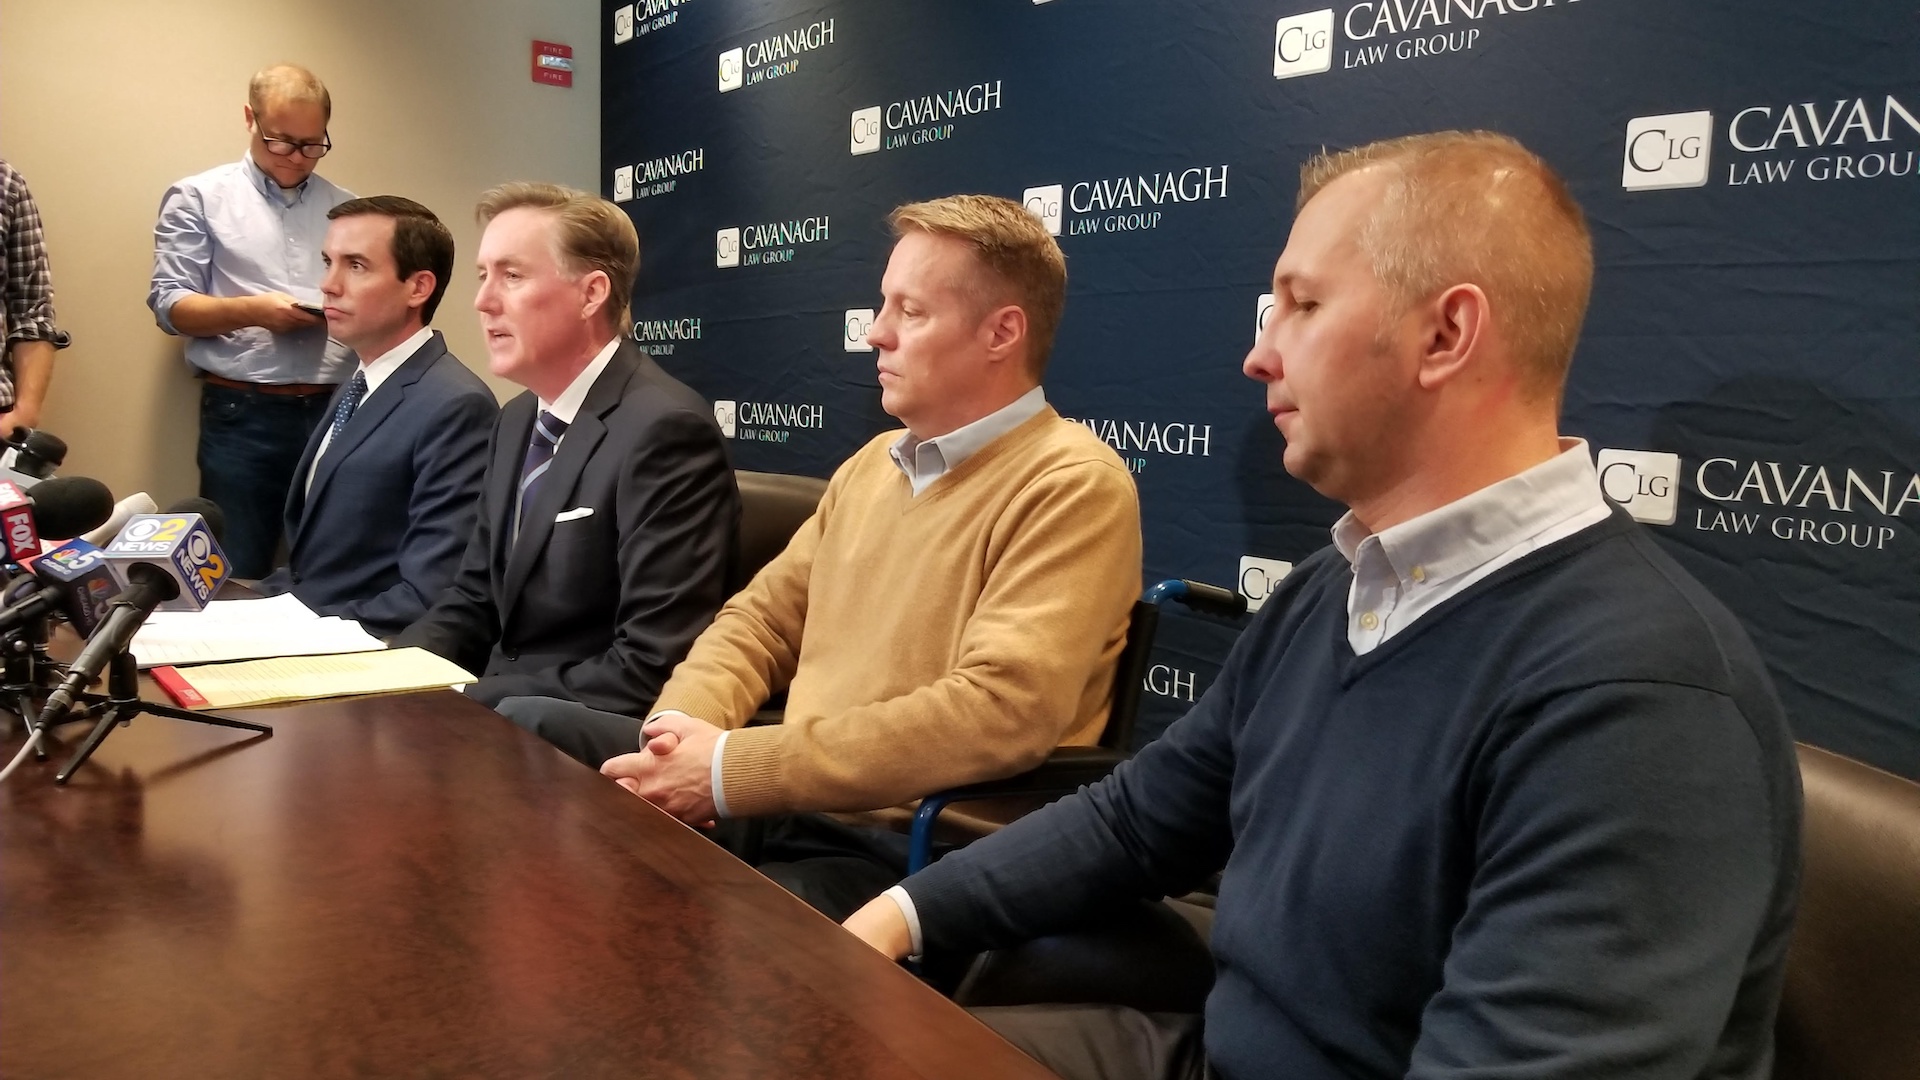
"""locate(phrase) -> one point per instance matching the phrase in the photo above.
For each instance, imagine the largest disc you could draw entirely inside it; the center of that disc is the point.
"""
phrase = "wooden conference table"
(410, 886)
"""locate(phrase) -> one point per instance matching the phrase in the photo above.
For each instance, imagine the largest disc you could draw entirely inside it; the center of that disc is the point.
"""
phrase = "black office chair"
(1851, 1005)
(773, 506)
(1069, 768)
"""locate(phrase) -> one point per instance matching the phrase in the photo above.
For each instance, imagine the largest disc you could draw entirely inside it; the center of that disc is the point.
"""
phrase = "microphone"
(164, 562)
(67, 506)
(74, 577)
(17, 534)
(37, 453)
(137, 503)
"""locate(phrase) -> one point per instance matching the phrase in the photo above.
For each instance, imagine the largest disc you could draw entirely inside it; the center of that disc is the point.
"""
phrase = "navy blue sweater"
(1549, 830)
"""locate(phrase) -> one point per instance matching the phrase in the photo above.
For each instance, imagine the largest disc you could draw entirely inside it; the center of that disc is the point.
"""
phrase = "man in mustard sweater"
(953, 611)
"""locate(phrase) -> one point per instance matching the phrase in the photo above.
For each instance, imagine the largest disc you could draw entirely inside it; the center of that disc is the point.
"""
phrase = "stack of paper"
(266, 682)
(246, 630)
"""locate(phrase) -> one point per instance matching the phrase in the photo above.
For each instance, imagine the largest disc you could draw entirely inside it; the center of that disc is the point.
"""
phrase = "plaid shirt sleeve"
(26, 285)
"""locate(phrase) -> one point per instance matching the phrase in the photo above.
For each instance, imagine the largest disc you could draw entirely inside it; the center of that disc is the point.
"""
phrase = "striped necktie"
(547, 429)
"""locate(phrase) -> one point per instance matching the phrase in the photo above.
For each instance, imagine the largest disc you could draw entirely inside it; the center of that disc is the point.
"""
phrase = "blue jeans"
(250, 445)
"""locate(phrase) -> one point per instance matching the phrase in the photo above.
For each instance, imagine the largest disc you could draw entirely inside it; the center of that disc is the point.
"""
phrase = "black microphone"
(216, 518)
(40, 452)
(67, 506)
(167, 557)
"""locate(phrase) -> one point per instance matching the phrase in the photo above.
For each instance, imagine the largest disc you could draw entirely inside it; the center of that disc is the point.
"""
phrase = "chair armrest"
(1066, 770)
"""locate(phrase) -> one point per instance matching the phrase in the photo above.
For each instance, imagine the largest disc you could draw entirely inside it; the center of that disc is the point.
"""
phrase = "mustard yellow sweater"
(930, 641)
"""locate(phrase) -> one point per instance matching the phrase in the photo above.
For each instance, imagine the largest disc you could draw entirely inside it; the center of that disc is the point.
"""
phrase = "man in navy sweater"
(1495, 787)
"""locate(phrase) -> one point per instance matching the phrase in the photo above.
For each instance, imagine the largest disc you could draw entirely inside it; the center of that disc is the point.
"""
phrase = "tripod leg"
(91, 743)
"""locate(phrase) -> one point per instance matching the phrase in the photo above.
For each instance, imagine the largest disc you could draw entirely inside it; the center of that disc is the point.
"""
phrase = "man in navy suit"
(608, 518)
(383, 499)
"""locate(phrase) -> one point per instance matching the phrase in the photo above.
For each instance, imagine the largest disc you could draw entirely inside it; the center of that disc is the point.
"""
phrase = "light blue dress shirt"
(232, 231)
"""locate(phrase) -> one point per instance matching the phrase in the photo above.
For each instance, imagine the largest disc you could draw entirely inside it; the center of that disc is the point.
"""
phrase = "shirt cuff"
(904, 900)
(163, 308)
(719, 754)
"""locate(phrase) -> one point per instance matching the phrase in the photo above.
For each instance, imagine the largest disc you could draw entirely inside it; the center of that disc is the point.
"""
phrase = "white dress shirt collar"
(565, 407)
(925, 461)
(377, 370)
(1407, 570)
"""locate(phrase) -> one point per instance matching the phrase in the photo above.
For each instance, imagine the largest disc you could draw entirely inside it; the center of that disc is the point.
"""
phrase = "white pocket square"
(574, 514)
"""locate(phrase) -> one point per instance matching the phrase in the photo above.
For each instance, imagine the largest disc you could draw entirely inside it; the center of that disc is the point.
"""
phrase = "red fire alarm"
(552, 64)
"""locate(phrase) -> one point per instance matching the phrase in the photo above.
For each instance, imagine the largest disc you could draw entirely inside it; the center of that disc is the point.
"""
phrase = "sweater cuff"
(695, 704)
(750, 770)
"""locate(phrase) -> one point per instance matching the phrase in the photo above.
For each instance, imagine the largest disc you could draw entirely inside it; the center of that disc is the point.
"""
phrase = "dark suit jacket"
(600, 607)
(378, 535)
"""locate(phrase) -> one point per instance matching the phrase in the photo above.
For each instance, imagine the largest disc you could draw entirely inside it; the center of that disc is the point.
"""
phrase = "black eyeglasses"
(286, 147)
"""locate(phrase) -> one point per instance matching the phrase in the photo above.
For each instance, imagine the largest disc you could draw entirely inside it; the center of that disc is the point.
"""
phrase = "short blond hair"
(1015, 249)
(1477, 207)
(284, 84)
(590, 234)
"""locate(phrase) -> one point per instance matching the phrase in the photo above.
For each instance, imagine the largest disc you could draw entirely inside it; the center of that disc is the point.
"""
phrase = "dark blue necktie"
(350, 401)
(545, 439)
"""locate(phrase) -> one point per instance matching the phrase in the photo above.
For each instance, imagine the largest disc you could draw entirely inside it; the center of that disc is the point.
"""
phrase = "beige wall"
(104, 105)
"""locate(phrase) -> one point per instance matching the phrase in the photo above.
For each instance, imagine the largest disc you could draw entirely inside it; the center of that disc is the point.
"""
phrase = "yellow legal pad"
(305, 678)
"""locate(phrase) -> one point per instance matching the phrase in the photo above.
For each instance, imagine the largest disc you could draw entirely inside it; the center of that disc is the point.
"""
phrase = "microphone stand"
(29, 672)
(123, 703)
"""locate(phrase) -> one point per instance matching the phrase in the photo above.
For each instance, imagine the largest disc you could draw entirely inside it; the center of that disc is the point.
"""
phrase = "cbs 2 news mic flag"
(180, 544)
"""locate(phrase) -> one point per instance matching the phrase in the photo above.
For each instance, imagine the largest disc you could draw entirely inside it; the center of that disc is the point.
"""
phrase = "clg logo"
(1044, 203)
(1303, 44)
(769, 243)
(656, 177)
(1130, 195)
(772, 58)
(1262, 311)
(639, 19)
(1259, 577)
(1646, 483)
(854, 332)
(1670, 151)
(923, 115)
(766, 421)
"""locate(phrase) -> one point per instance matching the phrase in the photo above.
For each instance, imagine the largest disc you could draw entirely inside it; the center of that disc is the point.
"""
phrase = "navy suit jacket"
(623, 554)
(378, 535)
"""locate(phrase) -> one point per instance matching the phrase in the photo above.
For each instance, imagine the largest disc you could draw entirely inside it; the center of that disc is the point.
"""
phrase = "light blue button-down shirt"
(232, 231)
(925, 461)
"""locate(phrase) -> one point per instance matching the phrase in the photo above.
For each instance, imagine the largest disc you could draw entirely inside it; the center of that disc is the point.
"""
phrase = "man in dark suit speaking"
(382, 500)
(608, 516)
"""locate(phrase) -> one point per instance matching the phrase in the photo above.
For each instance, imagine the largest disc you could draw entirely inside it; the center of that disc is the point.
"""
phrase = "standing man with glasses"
(237, 271)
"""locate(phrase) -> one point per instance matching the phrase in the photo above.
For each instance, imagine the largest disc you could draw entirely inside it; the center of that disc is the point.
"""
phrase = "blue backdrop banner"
(1749, 379)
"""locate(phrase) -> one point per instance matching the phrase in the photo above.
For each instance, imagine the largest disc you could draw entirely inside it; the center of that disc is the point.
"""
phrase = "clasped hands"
(673, 769)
